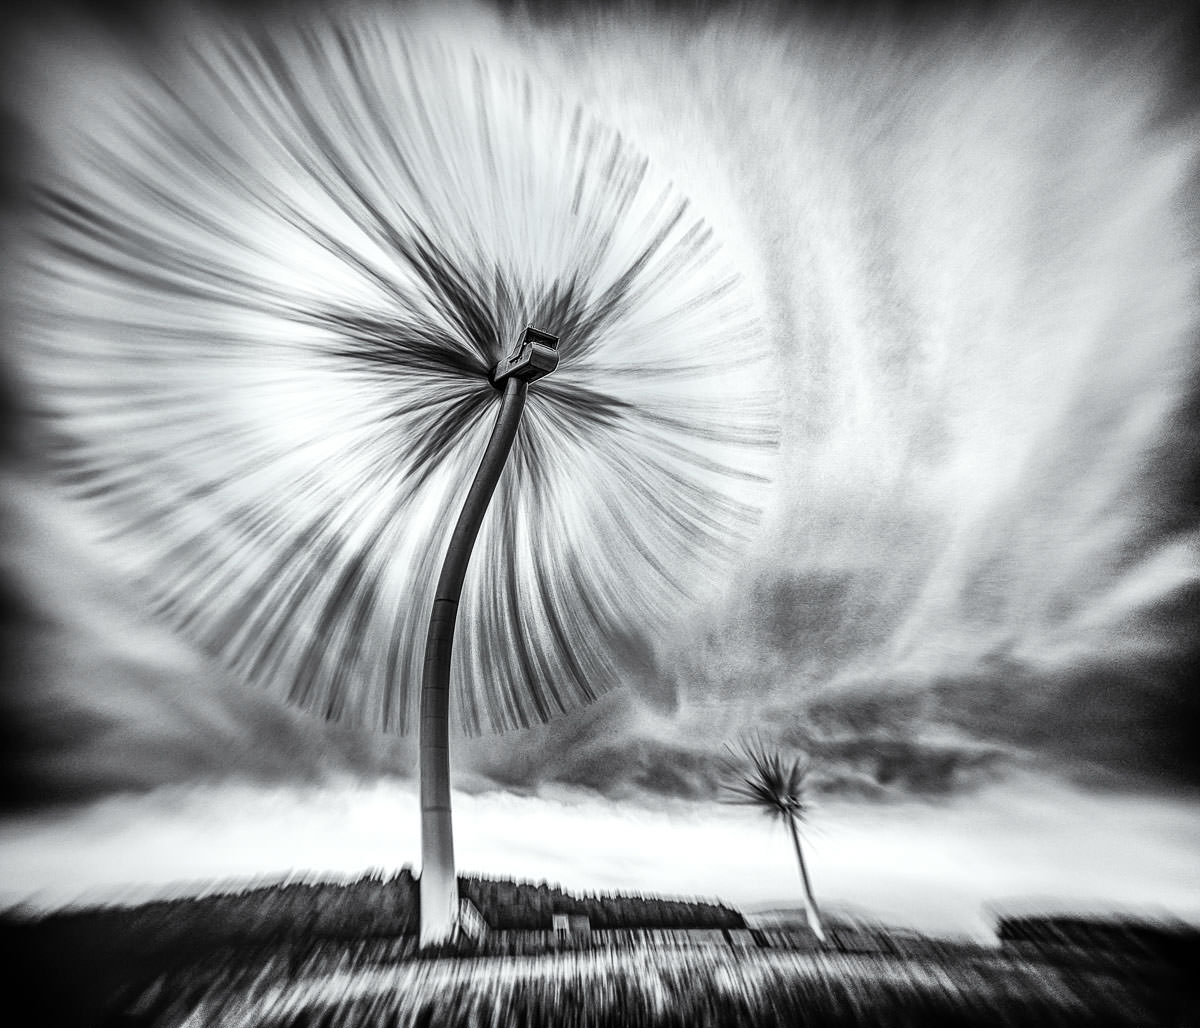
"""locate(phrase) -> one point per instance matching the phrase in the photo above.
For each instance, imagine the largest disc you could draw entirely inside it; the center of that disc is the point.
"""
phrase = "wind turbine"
(268, 308)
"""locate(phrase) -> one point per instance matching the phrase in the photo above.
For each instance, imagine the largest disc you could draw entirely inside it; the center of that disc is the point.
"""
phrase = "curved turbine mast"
(534, 356)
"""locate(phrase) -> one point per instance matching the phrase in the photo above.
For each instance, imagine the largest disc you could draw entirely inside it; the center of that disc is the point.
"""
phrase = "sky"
(970, 591)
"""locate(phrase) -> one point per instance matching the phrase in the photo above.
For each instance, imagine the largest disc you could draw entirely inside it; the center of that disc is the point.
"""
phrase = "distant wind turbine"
(769, 783)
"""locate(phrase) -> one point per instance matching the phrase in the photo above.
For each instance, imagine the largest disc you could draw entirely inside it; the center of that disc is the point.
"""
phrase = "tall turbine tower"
(534, 356)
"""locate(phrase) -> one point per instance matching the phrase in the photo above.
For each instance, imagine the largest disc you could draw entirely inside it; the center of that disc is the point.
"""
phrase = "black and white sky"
(968, 245)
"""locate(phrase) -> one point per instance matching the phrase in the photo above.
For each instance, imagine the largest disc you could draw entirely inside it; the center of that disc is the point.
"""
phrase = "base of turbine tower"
(439, 881)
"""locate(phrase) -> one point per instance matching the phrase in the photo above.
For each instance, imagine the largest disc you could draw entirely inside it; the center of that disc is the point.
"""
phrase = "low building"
(573, 924)
(470, 920)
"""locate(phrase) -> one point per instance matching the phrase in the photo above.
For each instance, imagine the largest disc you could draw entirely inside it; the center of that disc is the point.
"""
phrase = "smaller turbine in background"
(766, 781)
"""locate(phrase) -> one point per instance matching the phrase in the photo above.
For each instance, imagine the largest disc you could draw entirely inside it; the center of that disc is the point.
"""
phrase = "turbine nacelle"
(534, 356)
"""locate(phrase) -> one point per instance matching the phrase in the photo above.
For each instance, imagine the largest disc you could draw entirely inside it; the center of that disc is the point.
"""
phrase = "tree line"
(517, 906)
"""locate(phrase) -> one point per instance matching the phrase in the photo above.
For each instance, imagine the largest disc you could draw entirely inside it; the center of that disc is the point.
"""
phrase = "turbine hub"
(534, 356)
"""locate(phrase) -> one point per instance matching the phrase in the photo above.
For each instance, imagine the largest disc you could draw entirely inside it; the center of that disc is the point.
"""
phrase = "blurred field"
(343, 955)
(366, 987)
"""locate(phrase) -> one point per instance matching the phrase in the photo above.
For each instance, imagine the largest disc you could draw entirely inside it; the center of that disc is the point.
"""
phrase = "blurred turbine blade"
(268, 285)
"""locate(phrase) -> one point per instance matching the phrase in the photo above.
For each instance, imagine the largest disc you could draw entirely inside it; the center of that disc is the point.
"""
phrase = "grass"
(696, 988)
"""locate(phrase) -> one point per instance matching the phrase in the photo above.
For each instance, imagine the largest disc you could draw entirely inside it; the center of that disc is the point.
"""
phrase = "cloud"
(640, 766)
(1108, 716)
(869, 747)
(104, 702)
(96, 698)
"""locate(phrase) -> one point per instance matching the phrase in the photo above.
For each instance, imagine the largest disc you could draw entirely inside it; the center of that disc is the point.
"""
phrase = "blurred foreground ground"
(345, 987)
(343, 955)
